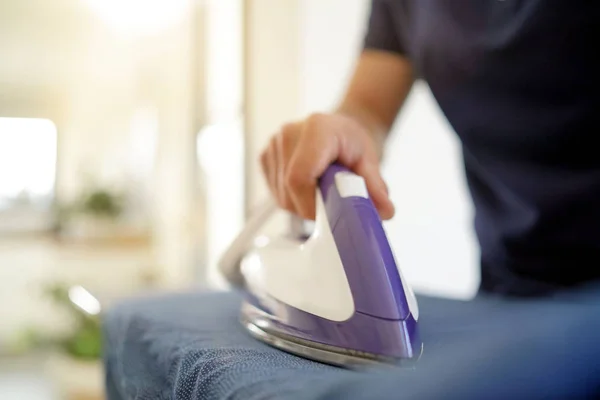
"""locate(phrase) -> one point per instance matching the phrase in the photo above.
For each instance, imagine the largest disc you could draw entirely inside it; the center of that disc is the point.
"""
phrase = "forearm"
(378, 88)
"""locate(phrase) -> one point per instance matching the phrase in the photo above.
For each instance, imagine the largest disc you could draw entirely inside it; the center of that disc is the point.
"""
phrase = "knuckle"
(293, 179)
(287, 129)
(316, 118)
(288, 135)
(287, 144)
(264, 159)
(273, 143)
(318, 126)
(280, 140)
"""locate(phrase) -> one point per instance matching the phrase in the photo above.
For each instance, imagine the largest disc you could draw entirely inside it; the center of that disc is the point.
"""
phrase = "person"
(518, 80)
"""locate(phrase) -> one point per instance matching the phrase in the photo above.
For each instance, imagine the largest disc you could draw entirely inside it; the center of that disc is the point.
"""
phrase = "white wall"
(273, 72)
(99, 82)
(311, 46)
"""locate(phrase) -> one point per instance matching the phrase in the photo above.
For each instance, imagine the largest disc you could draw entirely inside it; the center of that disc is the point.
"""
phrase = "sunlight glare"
(139, 17)
(28, 149)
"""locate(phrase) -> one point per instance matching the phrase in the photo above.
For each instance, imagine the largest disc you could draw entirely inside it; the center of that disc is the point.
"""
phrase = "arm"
(354, 134)
(383, 75)
(377, 90)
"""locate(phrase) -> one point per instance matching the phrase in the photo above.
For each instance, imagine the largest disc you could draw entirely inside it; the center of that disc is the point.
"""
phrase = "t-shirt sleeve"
(381, 32)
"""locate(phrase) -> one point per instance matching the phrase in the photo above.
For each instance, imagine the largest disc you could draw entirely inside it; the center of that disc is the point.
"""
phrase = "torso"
(519, 82)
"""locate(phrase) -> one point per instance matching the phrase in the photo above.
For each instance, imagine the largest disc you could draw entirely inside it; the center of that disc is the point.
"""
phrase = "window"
(28, 151)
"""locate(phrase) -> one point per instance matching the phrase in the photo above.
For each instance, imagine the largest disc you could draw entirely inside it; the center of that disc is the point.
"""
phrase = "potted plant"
(95, 215)
(74, 363)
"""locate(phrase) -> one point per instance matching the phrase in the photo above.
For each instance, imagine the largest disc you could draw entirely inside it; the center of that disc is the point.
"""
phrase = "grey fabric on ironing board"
(191, 346)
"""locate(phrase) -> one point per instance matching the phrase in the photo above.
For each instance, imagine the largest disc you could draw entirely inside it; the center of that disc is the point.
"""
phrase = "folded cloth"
(192, 346)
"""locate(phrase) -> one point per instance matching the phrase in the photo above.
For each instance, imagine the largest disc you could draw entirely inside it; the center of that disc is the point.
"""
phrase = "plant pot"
(76, 379)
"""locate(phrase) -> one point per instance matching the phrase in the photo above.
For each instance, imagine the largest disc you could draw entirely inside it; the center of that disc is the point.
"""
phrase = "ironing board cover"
(191, 346)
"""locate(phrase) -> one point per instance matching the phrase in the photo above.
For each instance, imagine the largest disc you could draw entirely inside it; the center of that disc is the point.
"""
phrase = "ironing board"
(191, 346)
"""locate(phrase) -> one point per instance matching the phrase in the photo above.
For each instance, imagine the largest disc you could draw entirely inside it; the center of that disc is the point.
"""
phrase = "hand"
(301, 152)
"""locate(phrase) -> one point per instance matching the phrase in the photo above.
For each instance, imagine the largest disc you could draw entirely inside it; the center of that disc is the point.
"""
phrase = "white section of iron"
(307, 275)
(310, 275)
(351, 185)
(230, 260)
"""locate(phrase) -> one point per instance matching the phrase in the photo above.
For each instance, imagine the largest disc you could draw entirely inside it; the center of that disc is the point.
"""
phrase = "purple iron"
(337, 296)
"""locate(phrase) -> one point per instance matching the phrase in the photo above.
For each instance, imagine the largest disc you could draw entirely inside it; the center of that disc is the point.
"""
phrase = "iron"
(332, 293)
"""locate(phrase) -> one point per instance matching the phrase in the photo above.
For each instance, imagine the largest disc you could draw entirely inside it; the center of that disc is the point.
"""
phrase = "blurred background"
(129, 137)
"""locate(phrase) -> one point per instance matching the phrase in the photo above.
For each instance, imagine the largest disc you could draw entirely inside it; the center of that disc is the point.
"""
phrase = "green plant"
(97, 202)
(83, 342)
(102, 203)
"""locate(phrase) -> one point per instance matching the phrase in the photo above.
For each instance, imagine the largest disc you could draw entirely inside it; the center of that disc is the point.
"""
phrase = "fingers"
(301, 152)
(317, 148)
(268, 163)
(275, 161)
(378, 190)
(285, 144)
(357, 152)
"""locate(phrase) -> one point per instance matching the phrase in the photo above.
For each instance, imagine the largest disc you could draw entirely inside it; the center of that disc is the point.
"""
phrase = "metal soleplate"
(336, 356)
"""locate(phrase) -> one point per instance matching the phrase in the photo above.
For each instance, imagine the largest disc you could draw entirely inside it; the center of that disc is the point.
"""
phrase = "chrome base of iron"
(336, 356)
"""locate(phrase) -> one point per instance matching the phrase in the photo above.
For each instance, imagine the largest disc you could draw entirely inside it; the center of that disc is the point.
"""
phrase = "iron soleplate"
(323, 353)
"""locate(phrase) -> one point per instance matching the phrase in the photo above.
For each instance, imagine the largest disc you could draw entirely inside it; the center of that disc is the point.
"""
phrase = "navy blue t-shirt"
(519, 82)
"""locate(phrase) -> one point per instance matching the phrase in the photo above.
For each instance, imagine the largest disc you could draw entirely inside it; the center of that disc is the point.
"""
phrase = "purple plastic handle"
(364, 250)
